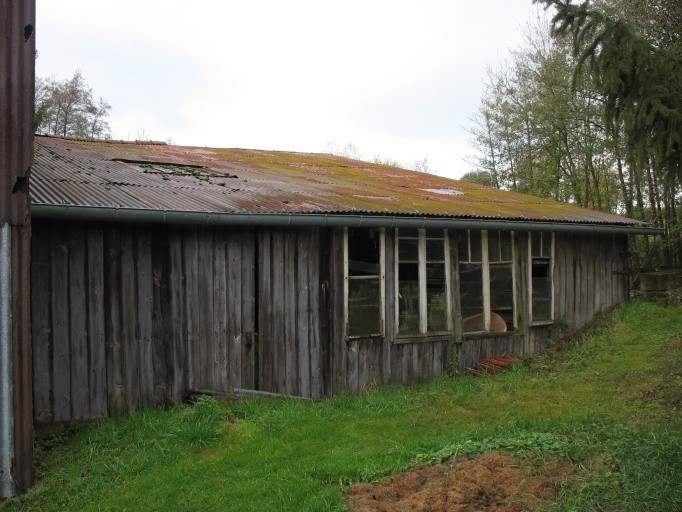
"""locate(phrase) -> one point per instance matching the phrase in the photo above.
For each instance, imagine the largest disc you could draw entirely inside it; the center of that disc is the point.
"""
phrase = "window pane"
(542, 291)
(493, 246)
(437, 304)
(408, 250)
(364, 251)
(506, 246)
(475, 245)
(408, 298)
(364, 306)
(435, 233)
(502, 293)
(536, 244)
(435, 250)
(463, 245)
(408, 232)
(471, 291)
(547, 245)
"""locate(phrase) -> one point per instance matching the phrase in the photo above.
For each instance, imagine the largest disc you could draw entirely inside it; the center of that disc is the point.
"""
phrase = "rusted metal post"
(17, 79)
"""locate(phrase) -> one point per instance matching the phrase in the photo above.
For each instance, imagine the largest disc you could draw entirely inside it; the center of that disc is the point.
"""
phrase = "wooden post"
(17, 69)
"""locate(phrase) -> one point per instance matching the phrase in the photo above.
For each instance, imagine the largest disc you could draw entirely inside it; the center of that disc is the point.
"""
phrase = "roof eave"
(108, 214)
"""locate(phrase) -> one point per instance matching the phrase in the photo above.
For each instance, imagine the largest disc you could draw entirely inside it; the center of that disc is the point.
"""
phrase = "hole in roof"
(175, 169)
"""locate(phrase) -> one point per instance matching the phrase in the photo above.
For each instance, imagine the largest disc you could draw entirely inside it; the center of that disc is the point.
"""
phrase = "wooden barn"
(160, 270)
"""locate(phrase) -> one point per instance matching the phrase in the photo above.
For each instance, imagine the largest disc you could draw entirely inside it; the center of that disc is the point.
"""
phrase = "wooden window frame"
(551, 276)
(382, 285)
(485, 271)
(423, 297)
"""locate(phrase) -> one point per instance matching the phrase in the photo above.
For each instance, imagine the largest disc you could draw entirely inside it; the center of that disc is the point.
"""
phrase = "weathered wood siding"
(129, 316)
(588, 279)
(125, 317)
(291, 311)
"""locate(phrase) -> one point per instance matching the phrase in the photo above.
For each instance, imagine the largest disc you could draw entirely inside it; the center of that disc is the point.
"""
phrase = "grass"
(609, 401)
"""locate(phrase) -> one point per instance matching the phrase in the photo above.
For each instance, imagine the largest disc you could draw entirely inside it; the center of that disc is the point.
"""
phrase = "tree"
(67, 108)
(634, 60)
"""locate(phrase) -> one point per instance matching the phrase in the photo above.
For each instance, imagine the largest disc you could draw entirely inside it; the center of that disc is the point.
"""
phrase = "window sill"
(540, 323)
(485, 334)
(403, 339)
(365, 337)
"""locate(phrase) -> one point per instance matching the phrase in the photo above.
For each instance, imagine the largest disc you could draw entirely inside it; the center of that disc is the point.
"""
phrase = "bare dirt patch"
(495, 481)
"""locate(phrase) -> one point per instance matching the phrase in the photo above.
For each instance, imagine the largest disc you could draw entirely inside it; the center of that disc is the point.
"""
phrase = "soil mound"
(495, 481)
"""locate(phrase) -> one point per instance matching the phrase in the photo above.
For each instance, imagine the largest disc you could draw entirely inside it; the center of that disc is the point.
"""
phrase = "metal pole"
(7, 484)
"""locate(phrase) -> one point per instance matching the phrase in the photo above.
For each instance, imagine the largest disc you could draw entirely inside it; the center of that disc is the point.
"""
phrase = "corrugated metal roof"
(176, 178)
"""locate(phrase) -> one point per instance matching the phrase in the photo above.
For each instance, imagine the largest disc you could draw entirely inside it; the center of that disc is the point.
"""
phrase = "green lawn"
(610, 402)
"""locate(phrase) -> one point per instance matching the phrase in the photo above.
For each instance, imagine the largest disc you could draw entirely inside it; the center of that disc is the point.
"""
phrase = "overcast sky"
(397, 79)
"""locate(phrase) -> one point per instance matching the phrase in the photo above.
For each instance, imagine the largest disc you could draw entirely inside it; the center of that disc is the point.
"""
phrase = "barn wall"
(130, 316)
(589, 277)
(125, 317)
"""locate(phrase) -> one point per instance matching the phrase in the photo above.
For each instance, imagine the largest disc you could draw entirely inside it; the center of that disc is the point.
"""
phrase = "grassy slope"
(606, 402)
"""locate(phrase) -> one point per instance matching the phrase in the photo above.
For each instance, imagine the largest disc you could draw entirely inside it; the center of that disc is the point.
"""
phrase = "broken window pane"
(502, 293)
(493, 246)
(506, 246)
(542, 290)
(437, 303)
(547, 245)
(408, 298)
(408, 249)
(463, 246)
(476, 250)
(435, 250)
(471, 291)
(364, 252)
(536, 244)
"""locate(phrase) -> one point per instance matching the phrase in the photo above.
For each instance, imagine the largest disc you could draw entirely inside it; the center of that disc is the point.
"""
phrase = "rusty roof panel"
(177, 178)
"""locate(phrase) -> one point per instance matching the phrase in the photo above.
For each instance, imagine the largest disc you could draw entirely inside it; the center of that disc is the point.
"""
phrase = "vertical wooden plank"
(248, 274)
(112, 326)
(234, 319)
(129, 305)
(61, 348)
(265, 342)
(96, 331)
(205, 338)
(352, 369)
(278, 311)
(289, 359)
(179, 364)
(196, 350)
(339, 345)
(78, 328)
(41, 332)
(222, 317)
(364, 355)
(304, 310)
(565, 260)
(162, 320)
(314, 327)
(145, 287)
(559, 277)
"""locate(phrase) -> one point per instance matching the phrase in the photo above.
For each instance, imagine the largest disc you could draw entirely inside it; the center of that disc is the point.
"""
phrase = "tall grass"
(605, 402)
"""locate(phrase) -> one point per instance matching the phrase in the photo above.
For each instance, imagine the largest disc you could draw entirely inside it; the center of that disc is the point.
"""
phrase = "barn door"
(289, 311)
(221, 305)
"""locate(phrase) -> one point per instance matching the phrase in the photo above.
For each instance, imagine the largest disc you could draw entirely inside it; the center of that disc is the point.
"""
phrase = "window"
(486, 280)
(423, 282)
(541, 250)
(364, 281)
